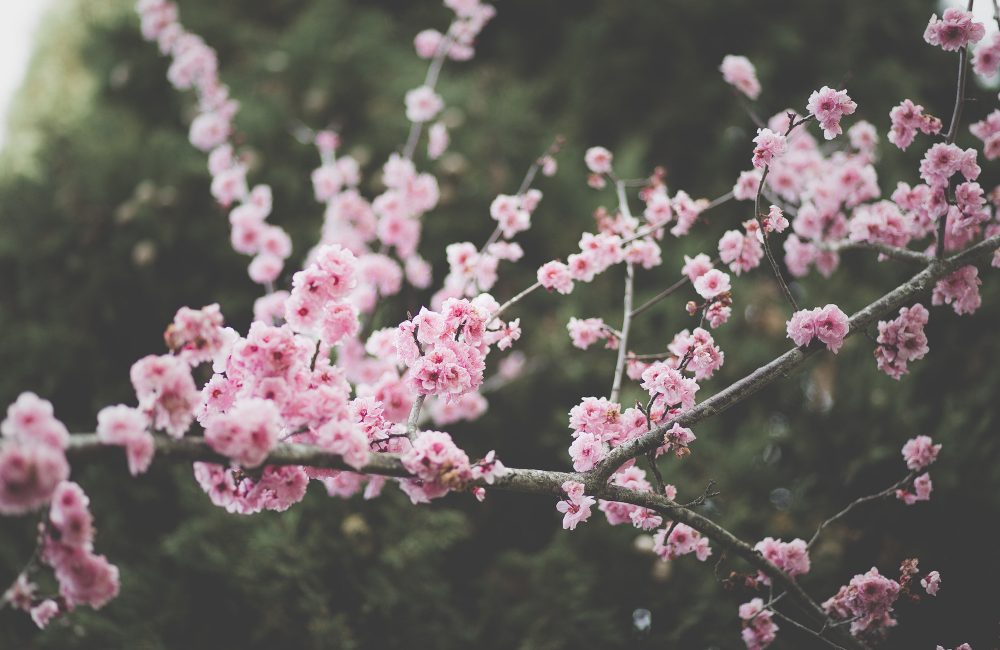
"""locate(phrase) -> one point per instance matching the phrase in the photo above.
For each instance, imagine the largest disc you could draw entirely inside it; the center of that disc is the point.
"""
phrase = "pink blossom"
(759, 629)
(931, 583)
(829, 106)
(829, 324)
(697, 266)
(712, 284)
(901, 340)
(791, 557)
(960, 290)
(742, 252)
(69, 514)
(29, 474)
(662, 379)
(246, 432)
(43, 613)
(986, 61)
(775, 220)
(920, 452)
(31, 419)
(197, 335)
(86, 579)
(867, 601)
(954, 30)
(422, 104)
(907, 119)
(438, 462)
(942, 161)
(587, 331)
(427, 42)
(598, 160)
(922, 488)
(681, 540)
(587, 451)
(166, 392)
(746, 185)
(863, 136)
(208, 131)
(437, 140)
(576, 507)
(128, 427)
(739, 72)
(770, 146)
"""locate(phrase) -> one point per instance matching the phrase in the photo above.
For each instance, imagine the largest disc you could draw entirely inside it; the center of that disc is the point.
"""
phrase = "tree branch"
(87, 448)
(783, 365)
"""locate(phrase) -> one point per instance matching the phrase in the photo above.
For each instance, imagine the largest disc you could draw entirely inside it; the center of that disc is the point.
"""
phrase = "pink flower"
(576, 507)
(587, 451)
(587, 331)
(422, 104)
(69, 514)
(712, 284)
(29, 474)
(598, 160)
(128, 427)
(427, 42)
(829, 324)
(697, 266)
(682, 540)
(759, 629)
(86, 579)
(438, 462)
(829, 106)
(775, 220)
(922, 488)
(770, 146)
(960, 290)
(791, 557)
(901, 340)
(31, 419)
(954, 30)
(942, 161)
(208, 131)
(437, 140)
(166, 391)
(867, 601)
(746, 185)
(247, 432)
(43, 613)
(907, 119)
(741, 251)
(920, 452)
(739, 72)
(931, 583)
(987, 58)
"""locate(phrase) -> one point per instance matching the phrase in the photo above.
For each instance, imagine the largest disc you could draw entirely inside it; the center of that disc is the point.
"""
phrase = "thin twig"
(889, 491)
(956, 115)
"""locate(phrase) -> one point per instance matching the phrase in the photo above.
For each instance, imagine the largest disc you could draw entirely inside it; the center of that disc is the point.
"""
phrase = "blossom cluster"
(194, 64)
(918, 453)
(759, 628)
(32, 455)
(829, 324)
(902, 340)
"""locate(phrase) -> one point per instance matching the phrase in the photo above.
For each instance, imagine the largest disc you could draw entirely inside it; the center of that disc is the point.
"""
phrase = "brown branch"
(783, 365)
(87, 448)
(902, 254)
(889, 491)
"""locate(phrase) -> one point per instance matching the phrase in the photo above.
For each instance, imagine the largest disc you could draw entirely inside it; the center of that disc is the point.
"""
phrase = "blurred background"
(107, 227)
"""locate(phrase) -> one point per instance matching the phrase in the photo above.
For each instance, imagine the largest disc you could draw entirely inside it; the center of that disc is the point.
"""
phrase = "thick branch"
(87, 448)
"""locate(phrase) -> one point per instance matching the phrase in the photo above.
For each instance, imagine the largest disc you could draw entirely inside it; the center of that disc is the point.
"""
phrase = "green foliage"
(107, 227)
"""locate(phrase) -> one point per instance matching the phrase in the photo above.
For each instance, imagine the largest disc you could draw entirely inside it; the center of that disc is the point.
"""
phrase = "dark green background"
(99, 174)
